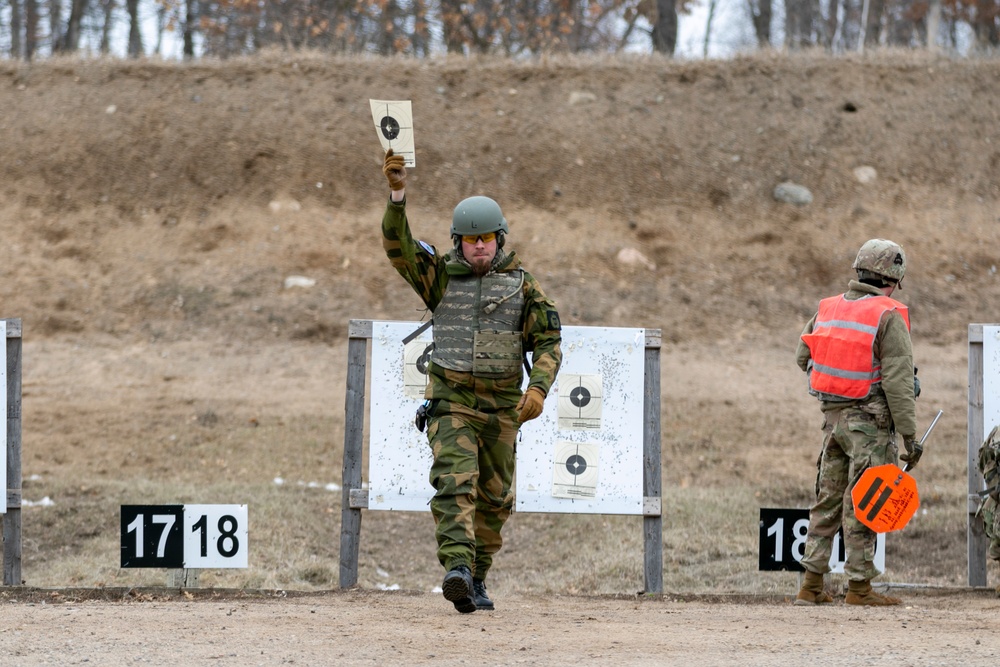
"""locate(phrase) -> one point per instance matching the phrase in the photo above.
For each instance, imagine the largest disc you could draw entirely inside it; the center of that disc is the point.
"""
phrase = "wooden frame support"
(977, 541)
(12, 519)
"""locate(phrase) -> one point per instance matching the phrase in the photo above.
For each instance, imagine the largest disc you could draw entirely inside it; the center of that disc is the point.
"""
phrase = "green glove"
(914, 450)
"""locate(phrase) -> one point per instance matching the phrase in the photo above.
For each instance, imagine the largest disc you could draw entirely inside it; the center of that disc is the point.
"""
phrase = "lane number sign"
(184, 536)
(782, 542)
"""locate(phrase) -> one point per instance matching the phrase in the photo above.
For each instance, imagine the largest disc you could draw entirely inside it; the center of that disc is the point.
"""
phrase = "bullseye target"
(394, 127)
(416, 356)
(574, 470)
(580, 402)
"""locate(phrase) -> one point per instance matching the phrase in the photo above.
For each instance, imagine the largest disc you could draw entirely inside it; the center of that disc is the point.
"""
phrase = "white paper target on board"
(574, 472)
(579, 402)
(394, 126)
(416, 356)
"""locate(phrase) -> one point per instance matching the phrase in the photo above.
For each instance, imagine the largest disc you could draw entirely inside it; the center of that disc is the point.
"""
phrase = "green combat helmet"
(883, 258)
(478, 215)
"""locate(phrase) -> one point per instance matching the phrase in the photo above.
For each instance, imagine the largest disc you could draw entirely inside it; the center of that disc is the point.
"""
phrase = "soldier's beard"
(480, 265)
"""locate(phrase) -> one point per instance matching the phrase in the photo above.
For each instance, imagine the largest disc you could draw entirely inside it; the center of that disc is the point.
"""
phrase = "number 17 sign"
(184, 536)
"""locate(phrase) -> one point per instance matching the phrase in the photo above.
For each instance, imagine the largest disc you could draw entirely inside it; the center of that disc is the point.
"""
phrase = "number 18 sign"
(783, 541)
(184, 536)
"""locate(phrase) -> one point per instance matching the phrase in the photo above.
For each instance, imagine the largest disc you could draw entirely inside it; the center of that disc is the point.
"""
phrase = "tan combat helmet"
(882, 257)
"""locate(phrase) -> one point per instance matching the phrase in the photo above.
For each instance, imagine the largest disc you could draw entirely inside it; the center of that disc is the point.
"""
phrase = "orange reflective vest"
(842, 343)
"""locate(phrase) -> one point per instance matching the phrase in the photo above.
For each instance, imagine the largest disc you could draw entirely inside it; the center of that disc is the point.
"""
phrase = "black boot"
(457, 589)
(479, 595)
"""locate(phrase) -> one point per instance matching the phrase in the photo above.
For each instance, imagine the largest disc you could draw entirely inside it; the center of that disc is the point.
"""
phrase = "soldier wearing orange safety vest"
(859, 359)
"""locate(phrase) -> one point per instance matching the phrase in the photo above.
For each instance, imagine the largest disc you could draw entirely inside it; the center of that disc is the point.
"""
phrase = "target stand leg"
(183, 578)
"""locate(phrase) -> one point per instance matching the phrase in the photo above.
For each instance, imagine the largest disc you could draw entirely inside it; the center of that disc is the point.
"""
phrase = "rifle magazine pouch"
(496, 354)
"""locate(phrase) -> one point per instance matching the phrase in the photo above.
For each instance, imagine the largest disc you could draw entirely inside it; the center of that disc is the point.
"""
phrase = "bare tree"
(760, 15)
(933, 24)
(190, 18)
(665, 27)
(55, 23)
(16, 26)
(800, 18)
(986, 24)
(30, 28)
(871, 23)
(107, 11)
(708, 28)
(70, 41)
(134, 29)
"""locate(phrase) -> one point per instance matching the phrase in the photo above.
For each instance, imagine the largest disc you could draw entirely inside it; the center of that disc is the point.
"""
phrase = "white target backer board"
(399, 458)
(595, 469)
(3, 422)
(991, 378)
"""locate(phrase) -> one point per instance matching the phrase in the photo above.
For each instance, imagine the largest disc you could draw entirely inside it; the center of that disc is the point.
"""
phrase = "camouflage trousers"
(991, 524)
(854, 441)
(472, 474)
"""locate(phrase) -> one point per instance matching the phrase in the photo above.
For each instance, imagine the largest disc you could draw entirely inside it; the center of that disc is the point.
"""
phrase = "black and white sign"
(184, 536)
(783, 541)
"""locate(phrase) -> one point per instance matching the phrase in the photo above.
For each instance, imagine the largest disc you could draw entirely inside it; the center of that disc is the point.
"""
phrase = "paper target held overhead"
(580, 402)
(574, 470)
(394, 127)
(416, 356)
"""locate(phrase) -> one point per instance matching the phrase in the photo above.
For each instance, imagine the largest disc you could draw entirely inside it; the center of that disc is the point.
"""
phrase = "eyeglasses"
(472, 240)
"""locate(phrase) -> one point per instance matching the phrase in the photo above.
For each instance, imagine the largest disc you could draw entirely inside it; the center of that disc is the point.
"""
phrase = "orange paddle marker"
(885, 498)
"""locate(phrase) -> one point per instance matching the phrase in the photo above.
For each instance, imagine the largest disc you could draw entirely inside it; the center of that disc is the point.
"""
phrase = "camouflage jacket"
(428, 272)
(894, 351)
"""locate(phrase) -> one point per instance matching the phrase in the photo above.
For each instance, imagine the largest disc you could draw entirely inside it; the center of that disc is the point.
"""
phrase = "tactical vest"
(477, 325)
(842, 343)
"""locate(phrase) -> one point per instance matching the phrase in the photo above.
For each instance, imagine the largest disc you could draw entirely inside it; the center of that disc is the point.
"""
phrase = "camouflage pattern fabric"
(991, 525)
(854, 440)
(473, 424)
(472, 474)
(989, 468)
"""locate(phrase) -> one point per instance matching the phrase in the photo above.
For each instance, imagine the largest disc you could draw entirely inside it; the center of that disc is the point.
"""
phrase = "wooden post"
(359, 331)
(183, 578)
(652, 521)
(977, 540)
(12, 519)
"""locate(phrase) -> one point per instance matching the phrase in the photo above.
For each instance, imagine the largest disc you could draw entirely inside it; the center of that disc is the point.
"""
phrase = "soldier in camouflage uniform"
(487, 313)
(857, 352)
(989, 508)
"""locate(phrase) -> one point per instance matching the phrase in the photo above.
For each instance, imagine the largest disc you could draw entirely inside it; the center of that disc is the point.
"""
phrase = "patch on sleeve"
(553, 318)
(427, 247)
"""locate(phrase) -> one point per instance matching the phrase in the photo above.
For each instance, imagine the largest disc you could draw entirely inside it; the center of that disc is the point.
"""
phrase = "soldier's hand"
(530, 405)
(914, 450)
(394, 168)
